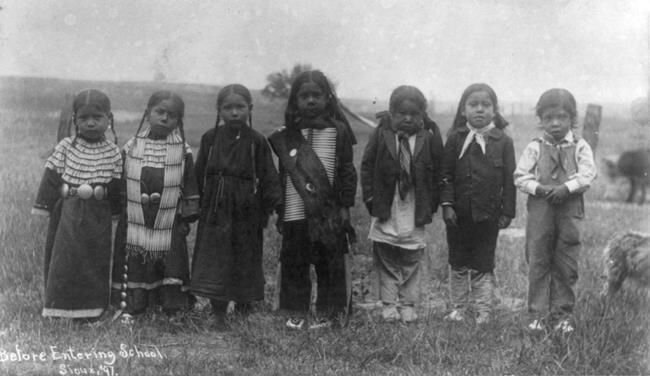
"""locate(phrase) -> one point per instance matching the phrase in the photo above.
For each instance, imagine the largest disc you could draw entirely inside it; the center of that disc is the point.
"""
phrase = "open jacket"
(380, 170)
(345, 176)
(480, 188)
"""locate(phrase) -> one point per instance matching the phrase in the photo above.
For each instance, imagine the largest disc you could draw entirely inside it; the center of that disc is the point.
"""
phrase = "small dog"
(627, 257)
(633, 165)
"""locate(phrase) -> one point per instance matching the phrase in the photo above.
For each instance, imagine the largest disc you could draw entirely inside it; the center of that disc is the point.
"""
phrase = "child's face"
(91, 122)
(556, 121)
(235, 110)
(478, 109)
(407, 113)
(311, 100)
(163, 116)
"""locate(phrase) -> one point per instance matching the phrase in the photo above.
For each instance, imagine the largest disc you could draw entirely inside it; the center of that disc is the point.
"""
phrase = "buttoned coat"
(480, 186)
(380, 170)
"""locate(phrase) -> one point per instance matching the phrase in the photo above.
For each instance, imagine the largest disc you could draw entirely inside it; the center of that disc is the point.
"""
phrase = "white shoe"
(408, 314)
(564, 326)
(536, 325)
(320, 324)
(127, 319)
(483, 318)
(455, 315)
(389, 313)
(295, 323)
(230, 308)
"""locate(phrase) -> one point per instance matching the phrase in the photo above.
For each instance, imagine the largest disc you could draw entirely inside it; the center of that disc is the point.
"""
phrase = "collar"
(568, 138)
(480, 131)
(493, 132)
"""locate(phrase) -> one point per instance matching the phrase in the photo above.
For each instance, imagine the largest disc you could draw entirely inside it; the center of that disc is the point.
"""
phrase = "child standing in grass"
(239, 189)
(319, 183)
(80, 192)
(478, 198)
(554, 170)
(399, 175)
(151, 259)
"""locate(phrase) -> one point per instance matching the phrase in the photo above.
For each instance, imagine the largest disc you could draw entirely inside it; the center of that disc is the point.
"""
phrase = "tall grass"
(610, 338)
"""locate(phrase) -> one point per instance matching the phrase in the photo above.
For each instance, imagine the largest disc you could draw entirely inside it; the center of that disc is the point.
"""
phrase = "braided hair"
(234, 89)
(332, 108)
(158, 97)
(460, 120)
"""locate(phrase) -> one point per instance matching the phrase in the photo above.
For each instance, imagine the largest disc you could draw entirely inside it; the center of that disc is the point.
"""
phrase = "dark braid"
(111, 125)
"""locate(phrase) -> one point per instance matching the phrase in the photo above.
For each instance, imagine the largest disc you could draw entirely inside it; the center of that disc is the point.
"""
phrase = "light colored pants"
(552, 249)
(398, 270)
(466, 285)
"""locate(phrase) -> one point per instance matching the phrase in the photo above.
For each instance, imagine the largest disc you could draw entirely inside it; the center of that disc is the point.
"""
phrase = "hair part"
(234, 89)
(557, 97)
(332, 108)
(460, 120)
(97, 99)
(160, 96)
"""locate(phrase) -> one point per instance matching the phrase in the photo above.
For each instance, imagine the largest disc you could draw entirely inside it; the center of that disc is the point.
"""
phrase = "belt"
(85, 191)
(152, 198)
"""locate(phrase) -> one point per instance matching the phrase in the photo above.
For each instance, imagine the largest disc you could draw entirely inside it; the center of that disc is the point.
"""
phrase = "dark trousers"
(297, 253)
(472, 244)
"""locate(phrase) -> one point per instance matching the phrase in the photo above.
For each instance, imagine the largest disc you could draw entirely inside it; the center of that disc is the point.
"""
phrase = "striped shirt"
(323, 142)
(86, 162)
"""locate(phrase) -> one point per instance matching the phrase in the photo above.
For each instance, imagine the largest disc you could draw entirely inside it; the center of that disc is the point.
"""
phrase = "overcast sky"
(596, 48)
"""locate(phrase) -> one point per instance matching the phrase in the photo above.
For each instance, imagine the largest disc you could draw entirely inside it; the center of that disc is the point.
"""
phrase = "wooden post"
(591, 125)
(65, 119)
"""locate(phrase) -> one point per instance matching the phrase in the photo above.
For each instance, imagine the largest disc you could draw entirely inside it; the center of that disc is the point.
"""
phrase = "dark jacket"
(380, 170)
(479, 186)
(345, 176)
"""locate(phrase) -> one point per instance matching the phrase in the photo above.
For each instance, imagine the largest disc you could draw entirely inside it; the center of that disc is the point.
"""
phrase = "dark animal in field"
(635, 166)
(627, 258)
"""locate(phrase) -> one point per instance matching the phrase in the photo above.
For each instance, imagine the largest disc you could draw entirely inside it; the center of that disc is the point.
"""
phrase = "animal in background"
(627, 257)
(633, 165)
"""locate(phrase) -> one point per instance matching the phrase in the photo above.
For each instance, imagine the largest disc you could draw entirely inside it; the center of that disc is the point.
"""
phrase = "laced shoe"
(564, 326)
(127, 319)
(390, 313)
(455, 315)
(295, 323)
(536, 325)
(482, 318)
(408, 314)
(320, 324)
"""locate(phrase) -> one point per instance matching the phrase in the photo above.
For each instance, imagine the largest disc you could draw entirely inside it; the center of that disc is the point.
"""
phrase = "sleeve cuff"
(41, 212)
(532, 187)
(572, 185)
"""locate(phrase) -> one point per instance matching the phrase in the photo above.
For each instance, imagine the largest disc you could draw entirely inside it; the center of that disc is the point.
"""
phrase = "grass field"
(610, 339)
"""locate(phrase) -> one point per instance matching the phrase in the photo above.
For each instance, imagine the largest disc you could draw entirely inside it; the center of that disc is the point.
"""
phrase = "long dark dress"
(238, 192)
(157, 281)
(78, 245)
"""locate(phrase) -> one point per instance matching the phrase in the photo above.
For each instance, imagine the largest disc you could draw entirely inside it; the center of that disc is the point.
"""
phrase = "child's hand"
(504, 221)
(449, 215)
(558, 194)
(543, 190)
(345, 214)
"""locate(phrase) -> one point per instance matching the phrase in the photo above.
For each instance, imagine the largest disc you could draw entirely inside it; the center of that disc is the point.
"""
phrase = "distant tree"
(279, 83)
